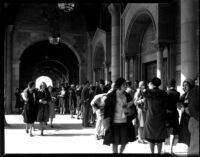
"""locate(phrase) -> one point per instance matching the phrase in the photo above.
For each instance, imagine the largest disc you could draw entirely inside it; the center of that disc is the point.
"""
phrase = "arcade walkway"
(67, 136)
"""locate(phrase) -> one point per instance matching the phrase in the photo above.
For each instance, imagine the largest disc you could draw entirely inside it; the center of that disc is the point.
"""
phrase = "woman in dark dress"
(30, 106)
(44, 98)
(155, 130)
(184, 136)
(172, 113)
(120, 129)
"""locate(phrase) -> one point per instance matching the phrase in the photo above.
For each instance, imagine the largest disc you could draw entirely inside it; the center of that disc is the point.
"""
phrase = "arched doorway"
(139, 47)
(45, 79)
(55, 61)
(98, 64)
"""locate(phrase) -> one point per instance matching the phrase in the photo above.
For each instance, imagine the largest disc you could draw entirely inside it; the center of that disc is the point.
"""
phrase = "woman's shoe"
(27, 131)
(140, 141)
(144, 142)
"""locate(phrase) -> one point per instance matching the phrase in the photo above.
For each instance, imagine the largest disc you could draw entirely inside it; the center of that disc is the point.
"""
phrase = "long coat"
(109, 111)
(155, 125)
(138, 96)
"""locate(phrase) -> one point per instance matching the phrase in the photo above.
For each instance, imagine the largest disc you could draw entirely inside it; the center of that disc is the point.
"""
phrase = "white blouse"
(119, 116)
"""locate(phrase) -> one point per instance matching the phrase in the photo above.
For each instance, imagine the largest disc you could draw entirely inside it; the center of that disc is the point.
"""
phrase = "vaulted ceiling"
(96, 15)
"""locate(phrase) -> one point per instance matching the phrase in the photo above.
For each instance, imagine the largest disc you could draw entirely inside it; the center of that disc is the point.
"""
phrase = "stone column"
(8, 53)
(127, 67)
(106, 71)
(189, 39)
(80, 74)
(114, 10)
(160, 63)
(131, 69)
(94, 76)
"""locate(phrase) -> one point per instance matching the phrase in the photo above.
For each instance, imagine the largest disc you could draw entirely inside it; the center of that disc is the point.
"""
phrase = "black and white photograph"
(100, 78)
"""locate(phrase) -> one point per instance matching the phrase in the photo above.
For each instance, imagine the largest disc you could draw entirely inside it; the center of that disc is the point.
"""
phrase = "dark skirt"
(29, 113)
(155, 141)
(173, 127)
(43, 113)
(117, 134)
(184, 136)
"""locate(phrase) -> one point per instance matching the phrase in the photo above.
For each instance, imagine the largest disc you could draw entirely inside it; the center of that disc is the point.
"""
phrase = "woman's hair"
(31, 84)
(141, 83)
(119, 82)
(43, 84)
(172, 83)
(156, 81)
(190, 82)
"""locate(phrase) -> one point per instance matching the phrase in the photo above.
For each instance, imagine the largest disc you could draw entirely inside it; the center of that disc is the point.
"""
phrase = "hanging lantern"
(66, 7)
(54, 39)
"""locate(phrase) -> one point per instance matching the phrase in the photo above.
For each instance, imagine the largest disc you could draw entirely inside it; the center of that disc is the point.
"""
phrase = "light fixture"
(66, 7)
(52, 17)
(54, 39)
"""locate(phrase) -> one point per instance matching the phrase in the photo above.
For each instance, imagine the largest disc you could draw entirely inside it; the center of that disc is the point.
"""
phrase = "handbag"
(131, 112)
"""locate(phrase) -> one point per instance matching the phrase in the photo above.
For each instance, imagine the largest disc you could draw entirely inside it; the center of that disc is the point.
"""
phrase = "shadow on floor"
(56, 126)
(70, 134)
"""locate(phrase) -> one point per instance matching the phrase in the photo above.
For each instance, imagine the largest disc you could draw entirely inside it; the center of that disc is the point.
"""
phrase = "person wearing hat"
(184, 136)
(155, 131)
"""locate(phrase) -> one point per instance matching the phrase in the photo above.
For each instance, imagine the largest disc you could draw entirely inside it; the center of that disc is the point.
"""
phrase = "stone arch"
(49, 62)
(142, 16)
(40, 37)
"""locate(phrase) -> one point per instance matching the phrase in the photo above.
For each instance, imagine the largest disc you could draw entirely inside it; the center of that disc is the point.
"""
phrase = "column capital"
(159, 45)
(114, 8)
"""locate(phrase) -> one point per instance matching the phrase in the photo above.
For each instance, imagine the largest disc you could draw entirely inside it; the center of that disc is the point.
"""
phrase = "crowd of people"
(121, 112)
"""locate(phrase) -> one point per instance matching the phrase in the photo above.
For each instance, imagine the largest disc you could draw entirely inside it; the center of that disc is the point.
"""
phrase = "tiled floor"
(67, 136)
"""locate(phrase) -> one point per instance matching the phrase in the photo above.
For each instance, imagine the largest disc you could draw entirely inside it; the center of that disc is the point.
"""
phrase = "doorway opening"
(45, 79)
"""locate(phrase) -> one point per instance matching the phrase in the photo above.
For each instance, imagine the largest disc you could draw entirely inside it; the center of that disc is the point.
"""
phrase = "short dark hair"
(102, 82)
(128, 82)
(31, 84)
(156, 81)
(119, 82)
(172, 83)
(86, 82)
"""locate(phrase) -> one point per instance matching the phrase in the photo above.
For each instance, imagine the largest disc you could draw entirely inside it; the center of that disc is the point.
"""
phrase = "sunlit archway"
(45, 79)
